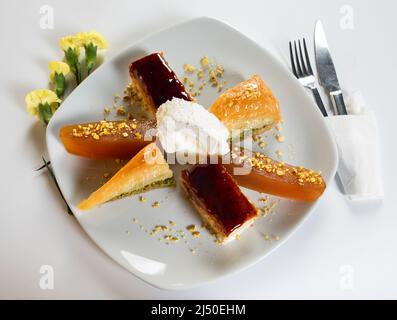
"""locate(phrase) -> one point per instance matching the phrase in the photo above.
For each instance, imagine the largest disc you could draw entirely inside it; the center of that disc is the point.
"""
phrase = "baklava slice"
(248, 108)
(146, 171)
(108, 139)
(256, 171)
(154, 82)
(219, 201)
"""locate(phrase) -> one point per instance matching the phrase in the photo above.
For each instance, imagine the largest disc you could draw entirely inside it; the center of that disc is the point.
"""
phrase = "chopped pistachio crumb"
(267, 238)
(196, 234)
(121, 111)
(142, 199)
(262, 145)
(204, 61)
(156, 204)
(189, 68)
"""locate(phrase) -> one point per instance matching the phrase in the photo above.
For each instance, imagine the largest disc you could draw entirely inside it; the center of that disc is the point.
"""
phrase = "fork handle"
(319, 101)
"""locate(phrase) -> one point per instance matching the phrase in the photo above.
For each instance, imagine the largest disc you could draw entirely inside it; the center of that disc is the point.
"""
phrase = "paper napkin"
(357, 140)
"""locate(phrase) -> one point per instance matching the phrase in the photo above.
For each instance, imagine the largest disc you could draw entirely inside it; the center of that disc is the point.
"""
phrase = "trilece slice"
(108, 139)
(248, 108)
(153, 80)
(146, 171)
(260, 173)
(219, 200)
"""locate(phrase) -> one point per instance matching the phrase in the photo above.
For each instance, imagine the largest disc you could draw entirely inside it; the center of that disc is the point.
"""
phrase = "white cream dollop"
(187, 127)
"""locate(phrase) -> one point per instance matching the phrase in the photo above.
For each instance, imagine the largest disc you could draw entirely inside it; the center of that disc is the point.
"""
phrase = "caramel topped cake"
(155, 82)
(219, 200)
(108, 139)
(263, 174)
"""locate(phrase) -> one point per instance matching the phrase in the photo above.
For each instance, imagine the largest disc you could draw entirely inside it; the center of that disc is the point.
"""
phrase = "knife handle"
(339, 103)
(319, 102)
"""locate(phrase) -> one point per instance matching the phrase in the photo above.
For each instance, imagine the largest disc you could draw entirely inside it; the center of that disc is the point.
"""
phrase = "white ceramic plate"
(111, 226)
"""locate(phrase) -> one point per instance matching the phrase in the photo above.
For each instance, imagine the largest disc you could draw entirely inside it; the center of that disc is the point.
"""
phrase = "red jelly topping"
(217, 192)
(157, 79)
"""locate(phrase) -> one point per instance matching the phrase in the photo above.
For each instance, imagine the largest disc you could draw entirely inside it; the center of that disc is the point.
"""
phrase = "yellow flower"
(93, 37)
(73, 42)
(59, 68)
(41, 96)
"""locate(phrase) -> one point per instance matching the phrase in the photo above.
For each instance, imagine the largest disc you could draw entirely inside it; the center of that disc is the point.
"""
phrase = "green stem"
(60, 84)
(72, 60)
(90, 56)
(45, 113)
(47, 166)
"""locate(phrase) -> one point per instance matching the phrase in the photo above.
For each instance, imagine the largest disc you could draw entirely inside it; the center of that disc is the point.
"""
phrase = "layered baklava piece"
(154, 82)
(219, 201)
(146, 171)
(248, 108)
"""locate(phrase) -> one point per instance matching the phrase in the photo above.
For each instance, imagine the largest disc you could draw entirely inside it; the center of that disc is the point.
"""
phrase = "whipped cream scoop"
(187, 127)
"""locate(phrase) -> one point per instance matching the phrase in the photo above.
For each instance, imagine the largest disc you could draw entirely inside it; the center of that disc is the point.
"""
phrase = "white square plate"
(111, 227)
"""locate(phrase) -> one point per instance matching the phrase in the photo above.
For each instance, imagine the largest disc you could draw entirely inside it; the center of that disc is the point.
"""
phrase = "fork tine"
(302, 59)
(292, 60)
(300, 73)
(309, 67)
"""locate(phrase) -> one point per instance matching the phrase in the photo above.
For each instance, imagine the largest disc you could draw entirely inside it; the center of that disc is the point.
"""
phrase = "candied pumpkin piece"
(258, 172)
(108, 139)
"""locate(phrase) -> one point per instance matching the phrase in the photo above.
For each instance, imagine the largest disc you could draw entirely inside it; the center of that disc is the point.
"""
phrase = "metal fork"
(303, 71)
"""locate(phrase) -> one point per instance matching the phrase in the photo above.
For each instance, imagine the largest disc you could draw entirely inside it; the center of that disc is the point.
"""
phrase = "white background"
(340, 236)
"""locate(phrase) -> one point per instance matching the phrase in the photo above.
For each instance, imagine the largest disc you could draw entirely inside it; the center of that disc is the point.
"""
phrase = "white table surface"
(340, 241)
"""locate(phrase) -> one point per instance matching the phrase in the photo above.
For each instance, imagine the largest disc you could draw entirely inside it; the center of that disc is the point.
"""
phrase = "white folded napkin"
(357, 139)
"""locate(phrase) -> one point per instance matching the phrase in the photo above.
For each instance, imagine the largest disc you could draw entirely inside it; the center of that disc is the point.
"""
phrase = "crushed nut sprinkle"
(106, 128)
(204, 61)
(121, 111)
(156, 204)
(304, 176)
(196, 234)
(207, 72)
(189, 68)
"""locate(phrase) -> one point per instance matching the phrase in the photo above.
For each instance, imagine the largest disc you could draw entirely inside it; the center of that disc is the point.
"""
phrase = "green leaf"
(60, 84)
(90, 56)
(45, 112)
(72, 59)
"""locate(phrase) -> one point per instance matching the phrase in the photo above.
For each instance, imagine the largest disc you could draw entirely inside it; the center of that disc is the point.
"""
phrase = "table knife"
(326, 70)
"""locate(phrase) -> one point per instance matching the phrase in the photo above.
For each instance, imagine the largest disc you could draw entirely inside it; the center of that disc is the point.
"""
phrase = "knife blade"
(326, 70)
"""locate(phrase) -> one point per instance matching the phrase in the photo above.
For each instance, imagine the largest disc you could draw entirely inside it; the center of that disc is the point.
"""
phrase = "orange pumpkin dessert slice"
(108, 139)
(260, 173)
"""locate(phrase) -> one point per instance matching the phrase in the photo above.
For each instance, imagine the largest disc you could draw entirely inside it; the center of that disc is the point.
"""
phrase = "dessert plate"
(122, 228)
